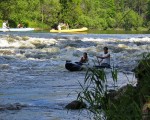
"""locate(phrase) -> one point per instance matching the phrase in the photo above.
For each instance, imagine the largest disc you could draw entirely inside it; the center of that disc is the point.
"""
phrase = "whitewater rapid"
(33, 73)
(125, 53)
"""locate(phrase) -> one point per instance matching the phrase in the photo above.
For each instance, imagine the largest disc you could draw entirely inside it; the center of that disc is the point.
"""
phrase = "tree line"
(96, 14)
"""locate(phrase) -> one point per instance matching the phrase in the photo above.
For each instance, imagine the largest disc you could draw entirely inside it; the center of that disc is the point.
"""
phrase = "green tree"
(132, 20)
(6, 8)
(100, 14)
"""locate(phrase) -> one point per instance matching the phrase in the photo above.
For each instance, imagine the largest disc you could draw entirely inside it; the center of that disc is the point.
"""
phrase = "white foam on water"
(33, 68)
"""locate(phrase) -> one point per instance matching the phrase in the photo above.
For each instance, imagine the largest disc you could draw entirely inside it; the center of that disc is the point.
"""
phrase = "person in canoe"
(84, 59)
(62, 26)
(104, 61)
(77, 66)
(66, 26)
(5, 24)
(20, 25)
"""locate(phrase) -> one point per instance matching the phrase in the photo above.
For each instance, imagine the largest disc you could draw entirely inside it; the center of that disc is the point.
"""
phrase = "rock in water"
(74, 105)
(15, 106)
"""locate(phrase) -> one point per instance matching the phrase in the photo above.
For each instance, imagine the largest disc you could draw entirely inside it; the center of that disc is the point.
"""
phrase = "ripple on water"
(32, 70)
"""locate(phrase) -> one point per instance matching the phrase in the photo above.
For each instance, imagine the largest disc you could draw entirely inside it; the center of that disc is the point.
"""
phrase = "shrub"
(103, 23)
(85, 21)
(132, 20)
(124, 104)
(111, 22)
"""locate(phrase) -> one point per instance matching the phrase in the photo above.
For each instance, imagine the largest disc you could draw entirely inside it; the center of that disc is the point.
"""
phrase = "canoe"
(16, 29)
(73, 66)
(76, 66)
(69, 30)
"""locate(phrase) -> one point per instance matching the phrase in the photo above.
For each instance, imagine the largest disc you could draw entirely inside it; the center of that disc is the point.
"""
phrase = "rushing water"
(32, 71)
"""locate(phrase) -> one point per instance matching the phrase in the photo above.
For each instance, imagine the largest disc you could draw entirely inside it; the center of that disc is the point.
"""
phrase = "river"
(32, 71)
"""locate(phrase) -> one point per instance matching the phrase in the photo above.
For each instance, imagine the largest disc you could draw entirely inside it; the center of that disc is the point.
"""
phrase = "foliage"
(100, 14)
(132, 20)
(143, 75)
(95, 93)
(95, 90)
(111, 22)
(126, 103)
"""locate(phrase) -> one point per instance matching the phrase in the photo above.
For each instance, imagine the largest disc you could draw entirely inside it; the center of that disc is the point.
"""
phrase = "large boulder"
(142, 73)
(115, 95)
(135, 97)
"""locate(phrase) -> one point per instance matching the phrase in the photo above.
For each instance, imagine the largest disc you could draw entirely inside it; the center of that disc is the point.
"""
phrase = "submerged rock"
(4, 66)
(75, 105)
(15, 106)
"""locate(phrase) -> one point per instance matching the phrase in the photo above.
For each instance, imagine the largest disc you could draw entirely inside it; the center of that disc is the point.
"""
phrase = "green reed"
(124, 106)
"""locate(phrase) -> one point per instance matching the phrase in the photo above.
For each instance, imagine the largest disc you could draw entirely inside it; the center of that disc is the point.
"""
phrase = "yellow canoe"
(70, 30)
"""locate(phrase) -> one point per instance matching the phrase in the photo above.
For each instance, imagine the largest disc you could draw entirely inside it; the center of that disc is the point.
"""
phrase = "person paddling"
(77, 66)
(20, 25)
(105, 59)
(4, 25)
(84, 58)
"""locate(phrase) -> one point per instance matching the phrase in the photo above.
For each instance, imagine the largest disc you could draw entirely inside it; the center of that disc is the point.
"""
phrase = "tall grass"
(103, 103)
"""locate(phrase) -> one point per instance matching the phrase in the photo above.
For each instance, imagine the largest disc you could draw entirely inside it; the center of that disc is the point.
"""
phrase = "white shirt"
(59, 27)
(106, 60)
(4, 25)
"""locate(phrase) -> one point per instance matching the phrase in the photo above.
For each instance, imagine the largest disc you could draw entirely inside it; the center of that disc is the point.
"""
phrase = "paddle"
(8, 27)
(99, 62)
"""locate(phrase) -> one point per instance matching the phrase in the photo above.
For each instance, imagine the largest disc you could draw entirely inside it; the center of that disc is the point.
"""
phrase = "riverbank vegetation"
(130, 102)
(96, 14)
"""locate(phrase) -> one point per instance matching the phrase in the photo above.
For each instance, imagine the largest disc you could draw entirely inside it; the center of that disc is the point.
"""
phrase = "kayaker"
(84, 58)
(4, 25)
(77, 66)
(59, 27)
(62, 26)
(66, 26)
(105, 59)
(20, 25)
